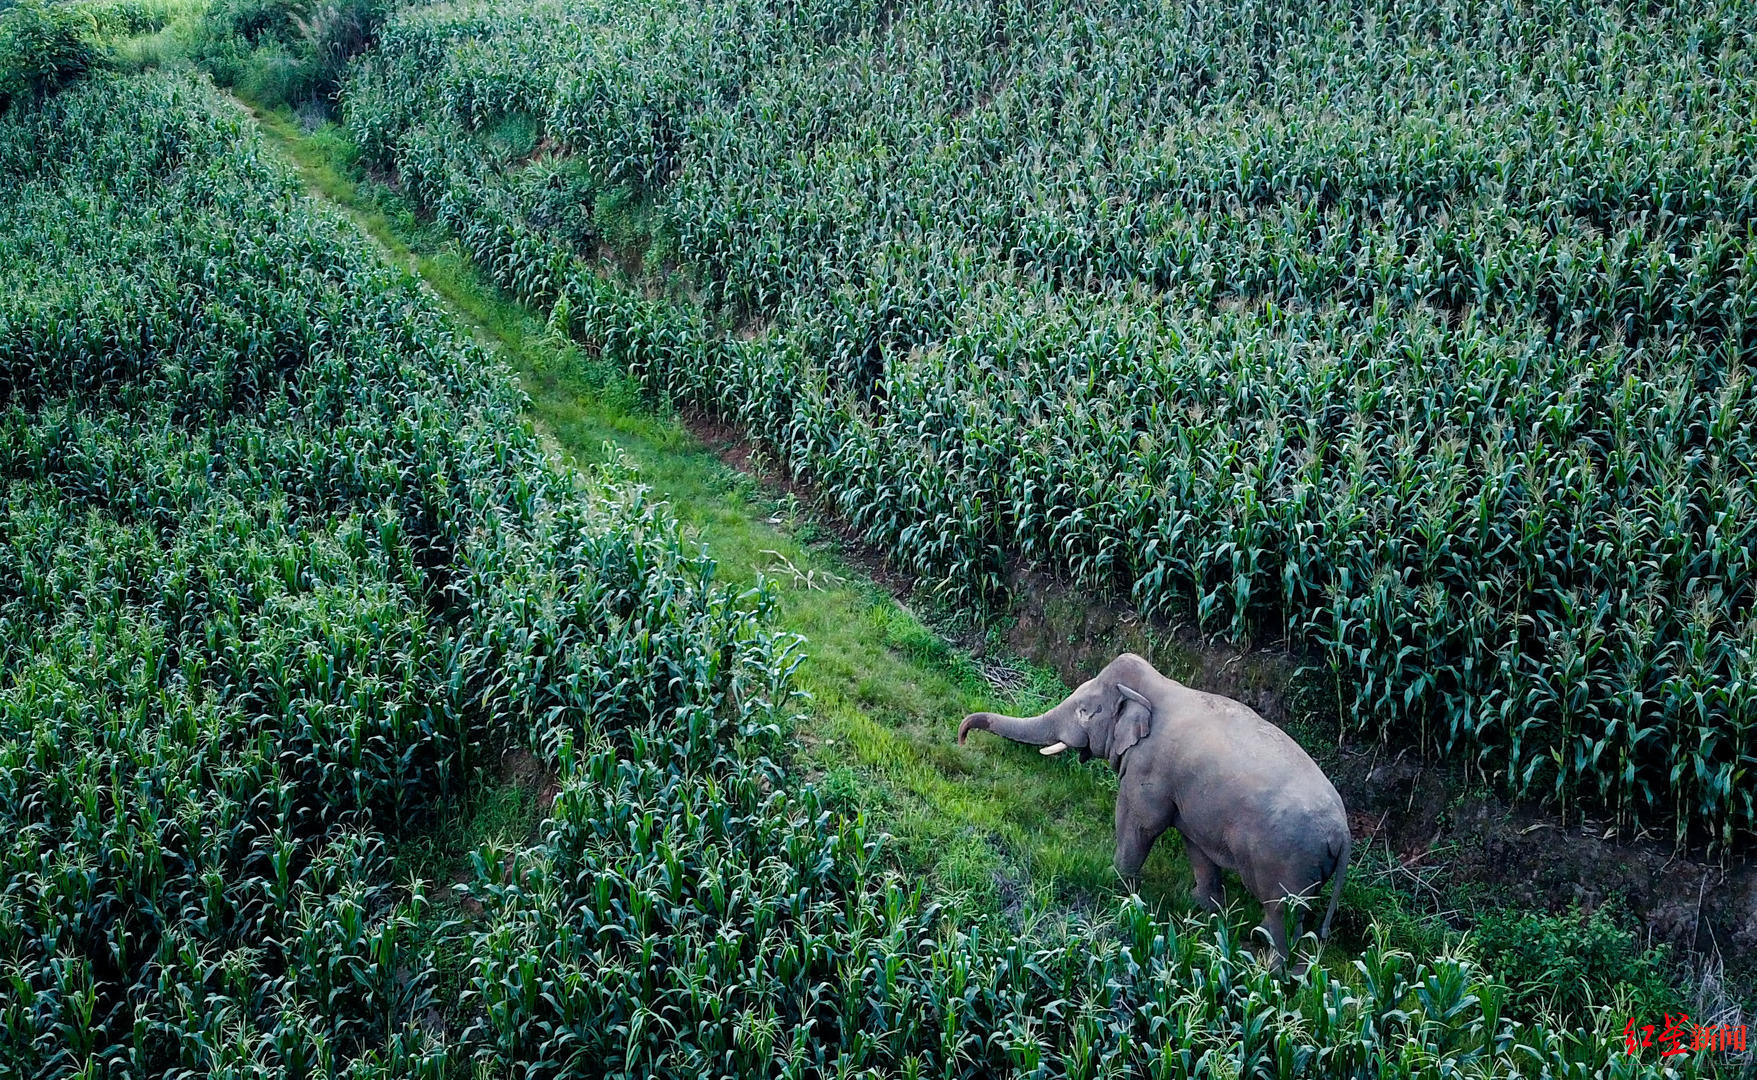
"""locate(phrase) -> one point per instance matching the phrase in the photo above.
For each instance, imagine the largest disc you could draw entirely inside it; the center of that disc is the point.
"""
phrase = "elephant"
(1243, 794)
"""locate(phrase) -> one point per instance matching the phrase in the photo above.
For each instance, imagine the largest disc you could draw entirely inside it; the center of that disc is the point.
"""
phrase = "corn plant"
(281, 568)
(1416, 335)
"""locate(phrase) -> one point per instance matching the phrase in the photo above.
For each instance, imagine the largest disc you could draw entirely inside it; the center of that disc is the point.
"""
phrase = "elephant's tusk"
(1053, 748)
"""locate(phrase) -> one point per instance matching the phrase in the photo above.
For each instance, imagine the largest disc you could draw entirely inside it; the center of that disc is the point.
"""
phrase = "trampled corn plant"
(1386, 326)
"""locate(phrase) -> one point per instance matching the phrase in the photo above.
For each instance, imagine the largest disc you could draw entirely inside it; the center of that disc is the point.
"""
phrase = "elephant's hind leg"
(1210, 892)
(1275, 923)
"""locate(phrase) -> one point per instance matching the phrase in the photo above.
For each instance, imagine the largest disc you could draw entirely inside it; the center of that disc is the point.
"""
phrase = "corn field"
(1417, 334)
(283, 568)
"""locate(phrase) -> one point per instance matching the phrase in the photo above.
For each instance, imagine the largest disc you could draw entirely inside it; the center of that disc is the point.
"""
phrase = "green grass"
(496, 816)
(886, 691)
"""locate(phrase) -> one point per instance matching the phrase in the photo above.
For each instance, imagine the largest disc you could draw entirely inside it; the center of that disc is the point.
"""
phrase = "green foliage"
(121, 18)
(1417, 333)
(273, 75)
(622, 219)
(253, 21)
(287, 563)
(840, 789)
(1372, 905)
(1562, 965)
(968, 874)
(331, 34)
(514, 137)
(288, 566)
(43, 46)
(171, 43)
(286, 52)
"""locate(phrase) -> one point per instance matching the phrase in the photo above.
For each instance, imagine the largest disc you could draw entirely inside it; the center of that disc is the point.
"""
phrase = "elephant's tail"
(1338, 875)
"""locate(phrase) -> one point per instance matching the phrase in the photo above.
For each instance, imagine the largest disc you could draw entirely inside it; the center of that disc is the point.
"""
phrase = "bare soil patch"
(520, 766)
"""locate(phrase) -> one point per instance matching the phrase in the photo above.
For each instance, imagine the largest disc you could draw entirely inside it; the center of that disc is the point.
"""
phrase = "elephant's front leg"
(1139, 822)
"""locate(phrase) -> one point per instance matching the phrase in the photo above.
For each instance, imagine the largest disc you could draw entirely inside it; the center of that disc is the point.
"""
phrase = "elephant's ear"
(1134, 718)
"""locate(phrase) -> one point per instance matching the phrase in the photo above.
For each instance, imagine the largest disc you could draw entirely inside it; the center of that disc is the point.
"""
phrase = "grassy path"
(886, 692)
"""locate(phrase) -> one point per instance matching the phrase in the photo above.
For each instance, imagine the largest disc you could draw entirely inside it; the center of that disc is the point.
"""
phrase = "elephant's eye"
(1083, 715)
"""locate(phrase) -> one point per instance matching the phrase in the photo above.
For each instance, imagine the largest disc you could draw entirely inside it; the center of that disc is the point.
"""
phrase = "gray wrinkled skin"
(1245, 796)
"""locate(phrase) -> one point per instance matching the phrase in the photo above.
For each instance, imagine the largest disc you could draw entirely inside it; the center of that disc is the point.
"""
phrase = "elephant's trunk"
(1038, 730)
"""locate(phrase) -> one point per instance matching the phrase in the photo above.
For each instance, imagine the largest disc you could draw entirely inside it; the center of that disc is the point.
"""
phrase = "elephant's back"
(1228, 746)
(1241, 726)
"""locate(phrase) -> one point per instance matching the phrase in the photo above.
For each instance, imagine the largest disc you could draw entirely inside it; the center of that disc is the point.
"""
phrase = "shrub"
(1561, 965)
(332, 34)
(43, 46)
(285, 52)
(116, 18)
(254, 21)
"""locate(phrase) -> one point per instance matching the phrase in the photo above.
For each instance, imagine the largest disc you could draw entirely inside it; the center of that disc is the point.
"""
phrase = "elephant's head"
(1103, 717)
